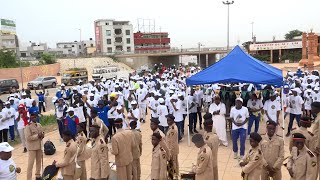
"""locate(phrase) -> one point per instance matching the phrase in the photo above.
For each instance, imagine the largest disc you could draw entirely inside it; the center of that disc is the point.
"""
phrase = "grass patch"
(47, 120)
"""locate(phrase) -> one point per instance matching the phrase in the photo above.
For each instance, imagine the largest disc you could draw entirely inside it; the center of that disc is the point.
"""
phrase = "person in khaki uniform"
(34, 135)
(315, 147)
(97, 121)
(203, 169)
(159, 159)
(212, 140)
(83, 152)
(252, 162)
(305, 123)
(122, 146)
(100, 168)
(136, 153)
(302, 164)
(68, 165)
(272, 147)
(154, 125)
(172, 140)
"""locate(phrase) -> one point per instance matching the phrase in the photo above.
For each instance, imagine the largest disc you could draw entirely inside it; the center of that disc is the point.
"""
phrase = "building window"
(108, 32)
(79, 46)
(107, 24)
(128, 49)
(118, 31)
(118, 40)
(128, 41)
(127, 32)
(109, 49)
(108, 41)
(65, 46)
(72, 46)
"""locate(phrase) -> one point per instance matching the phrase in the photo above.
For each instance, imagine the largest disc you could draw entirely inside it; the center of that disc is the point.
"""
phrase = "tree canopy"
(291, 34)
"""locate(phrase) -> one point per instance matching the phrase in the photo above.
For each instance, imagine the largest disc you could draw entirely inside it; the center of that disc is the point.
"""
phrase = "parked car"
(7, 85)
(43, 82)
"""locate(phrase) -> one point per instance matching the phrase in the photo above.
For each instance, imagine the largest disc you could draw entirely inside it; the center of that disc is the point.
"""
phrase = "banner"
(275, 46)
(7, 26)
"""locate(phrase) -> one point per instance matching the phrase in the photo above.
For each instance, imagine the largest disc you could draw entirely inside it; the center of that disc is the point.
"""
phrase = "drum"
(113, 171)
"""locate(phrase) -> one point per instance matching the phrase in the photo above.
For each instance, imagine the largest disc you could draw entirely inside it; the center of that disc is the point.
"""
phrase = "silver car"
(43, 82)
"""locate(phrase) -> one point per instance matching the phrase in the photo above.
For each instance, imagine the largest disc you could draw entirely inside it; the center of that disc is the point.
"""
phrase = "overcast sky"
(187, 21)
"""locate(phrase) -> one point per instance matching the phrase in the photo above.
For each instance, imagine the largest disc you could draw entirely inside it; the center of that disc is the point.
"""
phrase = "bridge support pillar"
(206, 60)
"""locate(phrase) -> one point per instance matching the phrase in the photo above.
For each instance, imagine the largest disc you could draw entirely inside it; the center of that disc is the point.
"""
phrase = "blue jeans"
(242, 133)
(11, 132)
(180, 126)
(256, 120)
(292, 116)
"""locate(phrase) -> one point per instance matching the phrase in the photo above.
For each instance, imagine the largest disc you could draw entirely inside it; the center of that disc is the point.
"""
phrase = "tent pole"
(188, 115)
(282, 113)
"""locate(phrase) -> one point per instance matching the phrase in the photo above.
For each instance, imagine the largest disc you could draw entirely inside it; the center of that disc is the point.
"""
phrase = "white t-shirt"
(8, 170)
(10, 112)
(141, 93)
(316, 97)
(3, 124)
(179, 113)
(272, 107)
(254, 104)
(79, 112)
(154, 104)
(296, 103)
(162, 112)
(136, 114)
(243, 113)
(20, 123)
(192, 99)
(60, 110)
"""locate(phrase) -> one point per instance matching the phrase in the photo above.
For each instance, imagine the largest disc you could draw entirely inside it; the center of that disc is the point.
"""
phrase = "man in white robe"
(218, 111)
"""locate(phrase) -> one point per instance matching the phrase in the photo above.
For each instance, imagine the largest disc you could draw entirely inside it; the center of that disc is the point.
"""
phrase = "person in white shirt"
(154, 104)
(296, 108)
(10, 112)
(4, 126)
(192, 112)
(61, 109)
(218, 111)
(178, 114)
(239, 116)
(134, 114)
(272, 109)
(119, 114)
(22, 118)
(199, 100)
(8, 169)
(162, 112)
(183, 109)
(254, 106)
(142, 94)
(316, 95)
(308, 101)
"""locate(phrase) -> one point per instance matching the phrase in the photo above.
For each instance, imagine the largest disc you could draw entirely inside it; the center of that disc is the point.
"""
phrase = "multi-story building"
(33, 50)
(9, 42)
(113, 36)
(156, 41)
(70, 48)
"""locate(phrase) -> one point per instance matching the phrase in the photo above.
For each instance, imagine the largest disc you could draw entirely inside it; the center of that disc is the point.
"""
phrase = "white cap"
(316, 88)
(80, 81)
(103, 79)
(180, 94)
(85, 89)
(126, 85)
(134, 102)
(171, 92)
(119, 107)
(298, 90)
(239, 99)
(11, 99)
(63, 85)
(54, 98)
(7, 102)
(23, 94)
(70, 109)
(116, 86)
(74, 88)
(91, 94)
(5, 147)
(161, 100)
(131, 89)
(11, 95)
(141, 83)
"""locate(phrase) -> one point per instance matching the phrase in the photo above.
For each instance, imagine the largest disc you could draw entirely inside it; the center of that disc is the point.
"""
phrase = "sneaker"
(25, 150)
(195, 131)
(235, 156)
(241, 157)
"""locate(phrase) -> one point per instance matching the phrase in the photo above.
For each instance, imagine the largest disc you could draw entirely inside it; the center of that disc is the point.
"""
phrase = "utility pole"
(199, 46)
(228, 3)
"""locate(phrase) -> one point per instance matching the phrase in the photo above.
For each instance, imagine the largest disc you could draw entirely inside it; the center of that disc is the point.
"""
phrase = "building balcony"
(118, 43)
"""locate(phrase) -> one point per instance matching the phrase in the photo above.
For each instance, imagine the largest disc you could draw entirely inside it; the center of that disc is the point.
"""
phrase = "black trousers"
(192, 121)
(200, 116)
(3, 135)
(41, 107)
(112, 128)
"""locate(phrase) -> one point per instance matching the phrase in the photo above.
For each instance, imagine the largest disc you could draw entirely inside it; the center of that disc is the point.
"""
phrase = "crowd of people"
(111, 111)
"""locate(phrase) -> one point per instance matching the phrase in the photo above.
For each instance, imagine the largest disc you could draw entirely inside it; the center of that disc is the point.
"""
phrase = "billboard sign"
(275, 46)
(7, 26)
(98, 39)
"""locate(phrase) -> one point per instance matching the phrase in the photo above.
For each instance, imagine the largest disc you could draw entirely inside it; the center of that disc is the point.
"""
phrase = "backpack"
(49, 148)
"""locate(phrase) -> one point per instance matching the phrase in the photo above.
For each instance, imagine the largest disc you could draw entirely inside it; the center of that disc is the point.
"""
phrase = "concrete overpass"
(138, 59)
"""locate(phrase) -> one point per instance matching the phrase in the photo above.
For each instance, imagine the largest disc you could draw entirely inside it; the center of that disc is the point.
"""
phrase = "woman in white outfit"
(218, 111)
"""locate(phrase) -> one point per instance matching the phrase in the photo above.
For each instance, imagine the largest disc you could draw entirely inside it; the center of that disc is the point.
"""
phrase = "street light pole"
(228, 3)
(199, 45)
(252, 30)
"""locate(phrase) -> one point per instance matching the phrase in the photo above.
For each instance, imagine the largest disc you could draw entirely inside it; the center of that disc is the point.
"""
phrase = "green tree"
(8, 59)
(48, 58)
(264, 58)
(291, 34)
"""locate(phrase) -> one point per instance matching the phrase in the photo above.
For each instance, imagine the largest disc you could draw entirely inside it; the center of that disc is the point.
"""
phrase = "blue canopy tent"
(238, 67)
